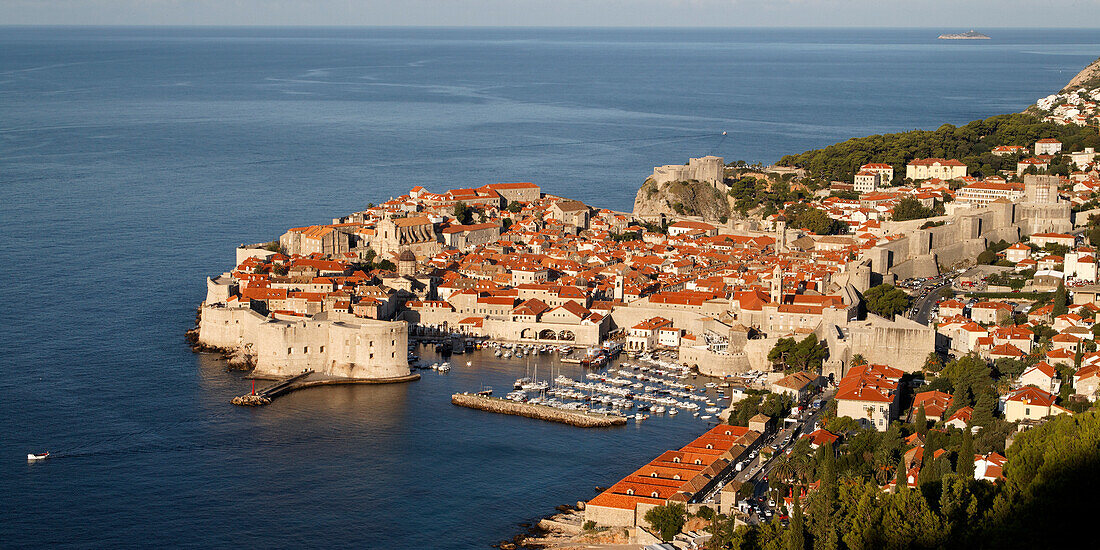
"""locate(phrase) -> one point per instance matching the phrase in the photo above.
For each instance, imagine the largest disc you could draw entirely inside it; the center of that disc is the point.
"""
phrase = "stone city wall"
(340, 346)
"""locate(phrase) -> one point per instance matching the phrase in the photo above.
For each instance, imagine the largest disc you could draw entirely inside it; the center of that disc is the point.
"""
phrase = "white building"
(1047, 146)
(866, 182)
(944, 169)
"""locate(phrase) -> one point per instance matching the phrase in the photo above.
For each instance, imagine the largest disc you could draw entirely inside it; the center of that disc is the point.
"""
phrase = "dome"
(406, 256)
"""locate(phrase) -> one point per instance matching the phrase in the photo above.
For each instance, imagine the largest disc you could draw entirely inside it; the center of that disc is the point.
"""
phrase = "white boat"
(705, 417)
(31, 457)
(712, 410)
(469, 363)
(672, 412)
(444, 367)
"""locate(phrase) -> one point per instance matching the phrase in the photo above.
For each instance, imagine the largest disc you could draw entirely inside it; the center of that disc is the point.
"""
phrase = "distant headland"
(968, 35)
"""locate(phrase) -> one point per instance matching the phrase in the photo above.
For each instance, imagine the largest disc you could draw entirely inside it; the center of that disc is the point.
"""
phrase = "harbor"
(581, 383)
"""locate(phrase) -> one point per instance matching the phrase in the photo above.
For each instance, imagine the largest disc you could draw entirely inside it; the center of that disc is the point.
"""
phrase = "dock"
(579, 419)
(298, 381)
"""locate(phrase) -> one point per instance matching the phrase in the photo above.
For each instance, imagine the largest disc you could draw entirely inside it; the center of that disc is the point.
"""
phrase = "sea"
(134, 160)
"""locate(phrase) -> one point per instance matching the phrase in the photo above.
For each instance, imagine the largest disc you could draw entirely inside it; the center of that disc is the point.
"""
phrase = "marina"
(591, 382)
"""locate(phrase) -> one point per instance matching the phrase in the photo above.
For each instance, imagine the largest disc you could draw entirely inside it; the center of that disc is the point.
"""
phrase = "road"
(756, 473)
(924, 305)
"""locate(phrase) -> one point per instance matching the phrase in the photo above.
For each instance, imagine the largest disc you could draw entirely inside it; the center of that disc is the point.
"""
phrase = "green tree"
(463, 213)
(910, 209)
(885, 300)
(933, 362)
(1060, 300)
(921, 421)
(964, 464)
(795, 536)
(667, 520)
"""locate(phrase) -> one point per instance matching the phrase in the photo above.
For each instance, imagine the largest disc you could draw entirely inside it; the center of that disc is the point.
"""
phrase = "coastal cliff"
(1089, 77)
(683, 198)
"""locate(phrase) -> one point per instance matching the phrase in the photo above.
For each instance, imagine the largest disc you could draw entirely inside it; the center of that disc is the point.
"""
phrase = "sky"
(938, 14)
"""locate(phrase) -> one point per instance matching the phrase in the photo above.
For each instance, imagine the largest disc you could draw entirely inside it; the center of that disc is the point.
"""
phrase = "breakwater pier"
(299, 381)
(579, 419)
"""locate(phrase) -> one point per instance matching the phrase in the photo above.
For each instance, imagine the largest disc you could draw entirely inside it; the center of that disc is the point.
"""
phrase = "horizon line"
(595, 27)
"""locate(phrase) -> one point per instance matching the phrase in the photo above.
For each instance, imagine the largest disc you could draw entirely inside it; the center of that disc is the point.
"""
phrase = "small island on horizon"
(968, 35)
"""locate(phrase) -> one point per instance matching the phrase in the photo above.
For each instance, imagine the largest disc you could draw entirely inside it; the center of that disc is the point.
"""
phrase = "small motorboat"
(31, 457)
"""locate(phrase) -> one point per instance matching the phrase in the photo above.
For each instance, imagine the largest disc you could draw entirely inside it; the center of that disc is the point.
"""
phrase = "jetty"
(579, 419)
(298, 381)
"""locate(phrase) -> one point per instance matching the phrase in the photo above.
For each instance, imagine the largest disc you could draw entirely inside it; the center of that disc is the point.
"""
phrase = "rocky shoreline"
(563, 531)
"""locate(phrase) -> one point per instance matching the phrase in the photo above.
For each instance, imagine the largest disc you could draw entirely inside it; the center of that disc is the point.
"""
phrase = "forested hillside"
(1046, 501)
(970, 144)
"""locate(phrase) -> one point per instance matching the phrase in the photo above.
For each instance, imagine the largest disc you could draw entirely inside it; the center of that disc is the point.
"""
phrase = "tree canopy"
(806, 217)
(885, 300)
(805, 354)
(667, 520)
(912, 209)
(1049, 467)
(971, 143)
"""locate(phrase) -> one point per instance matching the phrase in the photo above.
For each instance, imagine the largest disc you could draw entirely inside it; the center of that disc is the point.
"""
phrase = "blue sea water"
(133, 160)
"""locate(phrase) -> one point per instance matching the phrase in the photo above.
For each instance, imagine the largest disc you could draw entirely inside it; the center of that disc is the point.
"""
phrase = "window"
(676, 460)
(654, 494)
(371, 356)
(322, 349)
(654, 474)
(630, 491)
(709, 446)
(677, 476)
(1027, 411)
(697, 461)
(305, 349)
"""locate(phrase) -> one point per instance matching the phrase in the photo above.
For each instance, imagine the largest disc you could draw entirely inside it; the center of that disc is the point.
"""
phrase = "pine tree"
(795, 537)
(921, 422)
(823, 505)
(965, 463)
(983, 409)
(902, 483)
(1059, 300)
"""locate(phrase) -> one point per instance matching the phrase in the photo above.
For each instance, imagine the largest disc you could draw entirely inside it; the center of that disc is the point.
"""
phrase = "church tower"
(781, 234)
(777, 285)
